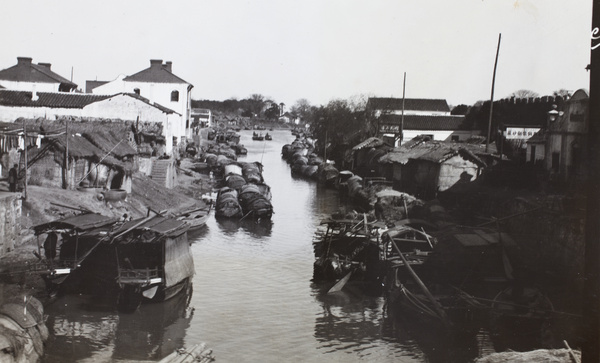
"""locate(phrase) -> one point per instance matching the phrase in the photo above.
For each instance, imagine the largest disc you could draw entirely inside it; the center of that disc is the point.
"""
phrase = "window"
(136, 91)
(175, 96)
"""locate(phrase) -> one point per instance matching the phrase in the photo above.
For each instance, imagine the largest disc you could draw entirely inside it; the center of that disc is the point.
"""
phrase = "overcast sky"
(314, 49)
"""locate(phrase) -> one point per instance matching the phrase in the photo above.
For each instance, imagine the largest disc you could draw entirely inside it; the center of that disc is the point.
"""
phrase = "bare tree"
(358, 102)
(258, 101)
(524, 93)
(302, 109)
(564, 93)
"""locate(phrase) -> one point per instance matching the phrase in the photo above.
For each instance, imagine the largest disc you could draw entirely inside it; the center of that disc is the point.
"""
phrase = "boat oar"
(436, 305)
(341, 283)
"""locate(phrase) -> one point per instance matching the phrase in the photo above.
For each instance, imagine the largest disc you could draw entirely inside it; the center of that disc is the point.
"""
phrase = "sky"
(319, 50)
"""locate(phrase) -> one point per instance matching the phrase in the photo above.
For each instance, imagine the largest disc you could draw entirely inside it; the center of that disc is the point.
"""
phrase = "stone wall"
(10, 221)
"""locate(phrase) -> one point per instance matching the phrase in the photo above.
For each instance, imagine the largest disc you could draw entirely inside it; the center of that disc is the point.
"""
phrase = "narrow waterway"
(252, 298)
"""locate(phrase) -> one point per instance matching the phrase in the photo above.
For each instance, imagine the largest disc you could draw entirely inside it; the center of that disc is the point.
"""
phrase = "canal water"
(252, 298)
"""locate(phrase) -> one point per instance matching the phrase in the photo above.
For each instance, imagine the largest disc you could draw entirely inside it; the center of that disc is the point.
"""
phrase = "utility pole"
(25, 157)
(66, 181)
(487, 142)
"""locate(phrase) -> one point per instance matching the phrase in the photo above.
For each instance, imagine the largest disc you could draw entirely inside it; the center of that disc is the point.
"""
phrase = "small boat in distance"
(268, 136)
(257, 136)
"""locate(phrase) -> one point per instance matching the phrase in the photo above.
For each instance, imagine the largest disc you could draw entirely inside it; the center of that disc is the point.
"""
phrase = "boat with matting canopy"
(75, 238)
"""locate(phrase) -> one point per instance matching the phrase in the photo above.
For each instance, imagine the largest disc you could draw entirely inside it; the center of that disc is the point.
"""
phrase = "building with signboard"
(398, 120)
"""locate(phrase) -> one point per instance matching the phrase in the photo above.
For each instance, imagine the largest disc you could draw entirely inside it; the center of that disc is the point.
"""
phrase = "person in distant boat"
(12, 179)
(379, 209)
(50, 246)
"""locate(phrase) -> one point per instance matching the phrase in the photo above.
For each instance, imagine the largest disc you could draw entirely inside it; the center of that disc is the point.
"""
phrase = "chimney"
(154, 63)
(23, 61)
(168, 66)
(47, 65)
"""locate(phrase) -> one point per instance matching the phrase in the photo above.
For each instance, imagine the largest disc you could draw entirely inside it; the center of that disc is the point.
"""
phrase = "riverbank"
(47, 204)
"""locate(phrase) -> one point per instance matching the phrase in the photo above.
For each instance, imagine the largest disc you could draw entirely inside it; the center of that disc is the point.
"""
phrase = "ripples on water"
(252, 298)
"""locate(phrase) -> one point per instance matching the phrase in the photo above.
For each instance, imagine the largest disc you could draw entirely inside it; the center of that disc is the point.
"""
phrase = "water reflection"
(85, 328)
(154, 330)
(434, 345)
(255, 228)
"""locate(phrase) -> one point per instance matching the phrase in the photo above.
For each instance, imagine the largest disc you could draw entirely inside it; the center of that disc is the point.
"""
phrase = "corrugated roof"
(26, 71)
(156, 73)
(412, 104)
(426, 122)
(434, 151)
(368, 143)
(48, 99)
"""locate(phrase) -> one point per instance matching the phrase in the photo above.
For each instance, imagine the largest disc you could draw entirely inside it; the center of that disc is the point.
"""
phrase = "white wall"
(378, 113)
(159, 93)
(119, 107)
(10, 114)
(30, 86)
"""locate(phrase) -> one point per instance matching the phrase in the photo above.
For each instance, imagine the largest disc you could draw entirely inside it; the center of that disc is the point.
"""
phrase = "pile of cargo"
(243, 193)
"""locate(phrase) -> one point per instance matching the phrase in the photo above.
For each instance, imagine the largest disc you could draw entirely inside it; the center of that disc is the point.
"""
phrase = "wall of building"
(129, 109)
(10, 221)
(10, 114)
(378, 113)
(451, 172)
(159, 93)
(30, 86)
(45, 172)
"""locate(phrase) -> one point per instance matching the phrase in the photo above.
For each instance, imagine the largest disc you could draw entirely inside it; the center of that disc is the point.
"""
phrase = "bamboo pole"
(436, 305)
(487, 142)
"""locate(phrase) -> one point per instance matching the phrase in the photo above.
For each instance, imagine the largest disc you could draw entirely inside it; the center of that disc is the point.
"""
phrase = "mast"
(487, 141)
(402, 118)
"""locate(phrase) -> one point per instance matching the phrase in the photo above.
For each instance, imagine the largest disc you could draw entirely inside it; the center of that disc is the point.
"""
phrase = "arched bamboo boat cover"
(178, 261)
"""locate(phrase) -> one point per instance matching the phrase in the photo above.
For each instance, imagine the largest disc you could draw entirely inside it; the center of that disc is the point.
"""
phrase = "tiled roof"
(156, 73)
(412, 104)
(426, 122)
(64, 100)
(26, 71)
(145, 100)
(48, 99)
